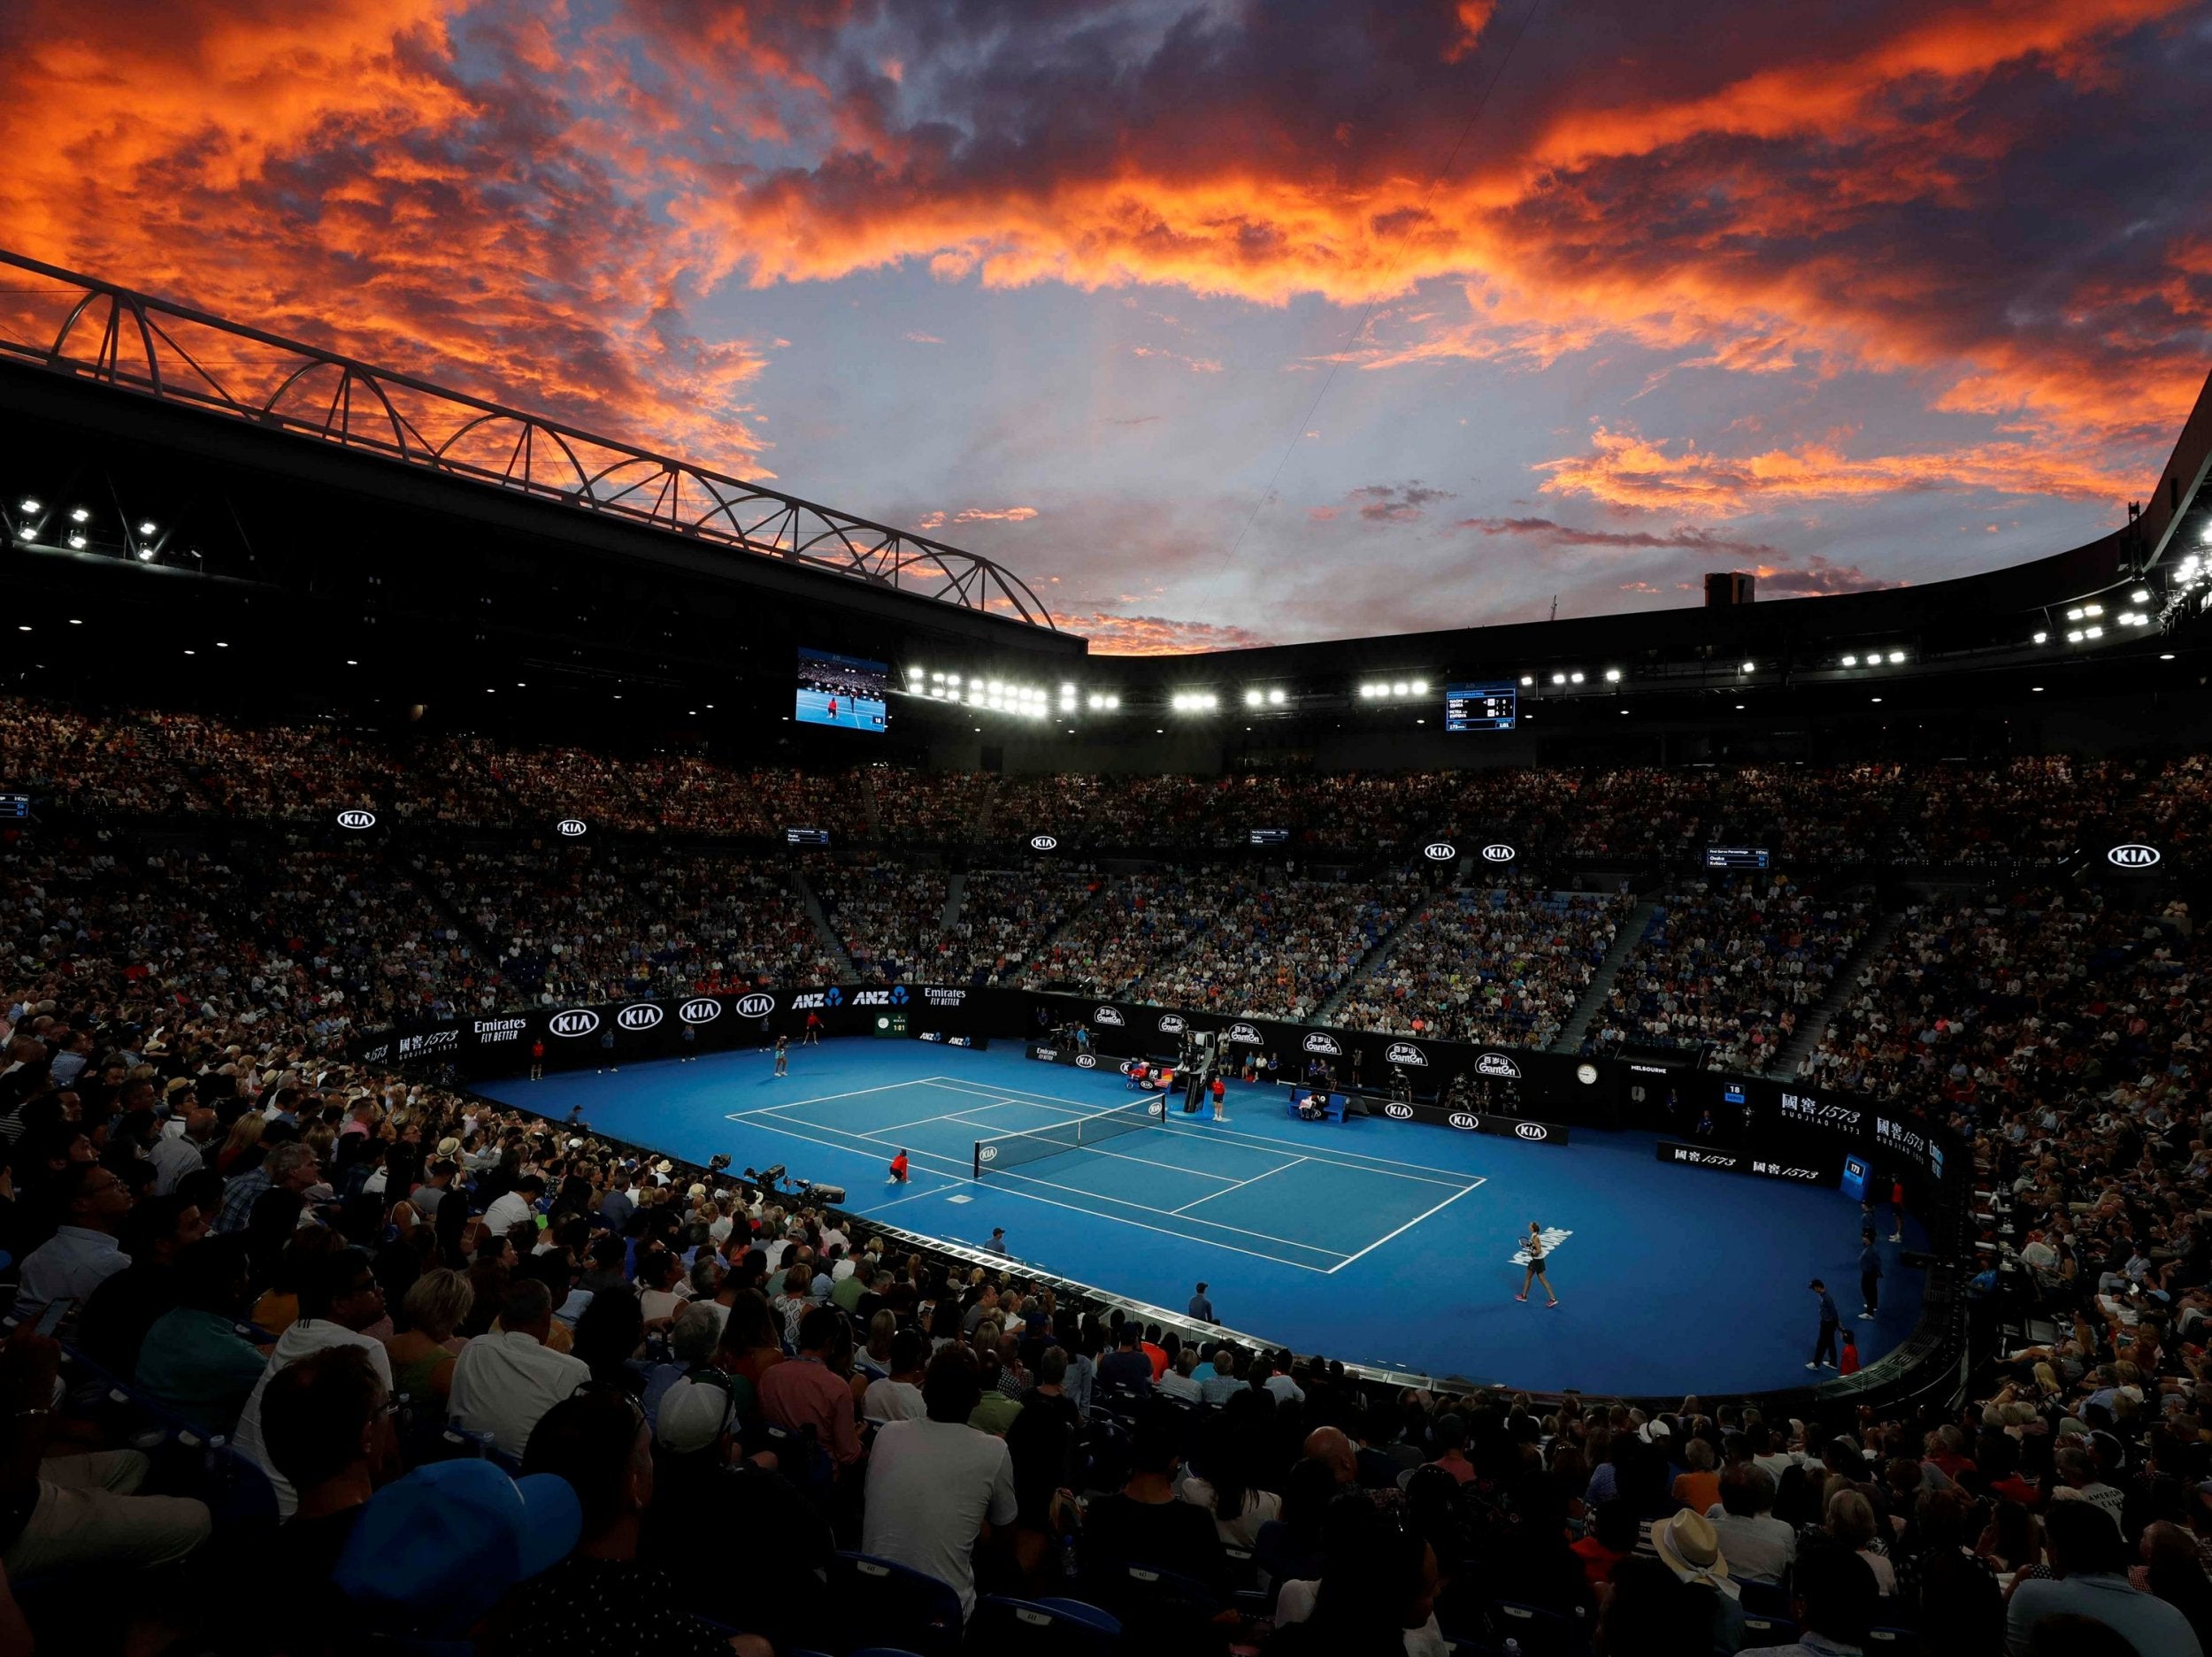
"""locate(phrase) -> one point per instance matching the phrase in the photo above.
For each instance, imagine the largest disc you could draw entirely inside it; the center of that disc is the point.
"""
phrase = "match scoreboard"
(1492, 707)
(14, 805)
(1735, 857)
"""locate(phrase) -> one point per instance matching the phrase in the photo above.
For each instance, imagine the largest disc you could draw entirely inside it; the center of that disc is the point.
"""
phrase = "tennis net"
(1012, 1150)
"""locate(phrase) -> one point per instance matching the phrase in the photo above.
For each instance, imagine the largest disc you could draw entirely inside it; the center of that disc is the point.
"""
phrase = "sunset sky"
(1218, 322)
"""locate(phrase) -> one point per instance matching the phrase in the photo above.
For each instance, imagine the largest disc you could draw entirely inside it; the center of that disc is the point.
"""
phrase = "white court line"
(1242, 1183)
(934, 1191)
(1407, 1226)
(822, 1099)
(1358, 1162)
(1115, 1219)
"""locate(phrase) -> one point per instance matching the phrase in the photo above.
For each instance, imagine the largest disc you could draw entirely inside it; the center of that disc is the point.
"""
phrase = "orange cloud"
(1196, 364)
(1155, 635)
(929, 521)
(1623, 469)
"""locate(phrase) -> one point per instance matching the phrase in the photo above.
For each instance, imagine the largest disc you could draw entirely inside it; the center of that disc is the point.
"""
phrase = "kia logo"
(1439, 851)
(1043, 843)
(705, 1010)
(1532, 1130)
(1170, 1023)
(755, 1006)
(357, 819)
(986, 1153)
(571, 826)
(1405, 1053)
(1497, 853)
(1497, 1064)
(1105, 1016)
(644, 1015)
(1461, 1120)
(1398, 1112)
(1320, 1043)
(1086, 1061)
(2129, 857)
(578, 1021)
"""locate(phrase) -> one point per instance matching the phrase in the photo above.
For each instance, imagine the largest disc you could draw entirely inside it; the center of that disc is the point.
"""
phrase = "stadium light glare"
(1575, 678)
(952, 678)
(2042, 638)
(1612, 675)
(1740, 707)
(2093, 633)
(76, 543)
(1399, 688)
(2093, 610)
(1420, 688)
(1896, 658)
(2074, 636)
(2074, 614)
(1528, 679)
(30, 503)
(27, 533)
(2141, 596)
(2166, 656)
(1751, 667)
(1558, 679)
(1850, 661)
(1876, 699)
(1254, 699)
(914, 672)
(78, 514)
(145, 525)
(1277, 698)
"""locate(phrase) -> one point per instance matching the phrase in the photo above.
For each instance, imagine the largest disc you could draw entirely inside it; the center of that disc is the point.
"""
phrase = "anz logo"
(571, 826)
(1319, 1042)
(1462, 1120)
(1106, 1016)
(817, 998)
(2129, 857)
(706, 1009)
(357, 819)
(1439, 851)
(1406, 1053)
(1397, 1110)
(577, 1021)
(643, 1015)
(893, 997)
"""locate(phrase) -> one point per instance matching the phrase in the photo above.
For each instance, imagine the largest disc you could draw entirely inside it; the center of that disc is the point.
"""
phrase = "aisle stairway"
(1593, 1001)
(846, 973)
(1810, 1028)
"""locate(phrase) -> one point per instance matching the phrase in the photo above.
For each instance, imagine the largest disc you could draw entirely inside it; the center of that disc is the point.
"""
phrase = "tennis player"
(783, 1056)
(1532, 1245)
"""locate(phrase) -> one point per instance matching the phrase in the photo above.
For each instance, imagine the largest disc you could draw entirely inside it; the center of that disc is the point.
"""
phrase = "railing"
(92, 330)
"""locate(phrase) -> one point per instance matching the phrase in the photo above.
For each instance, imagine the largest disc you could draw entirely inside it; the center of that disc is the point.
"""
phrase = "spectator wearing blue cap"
(603, 1600)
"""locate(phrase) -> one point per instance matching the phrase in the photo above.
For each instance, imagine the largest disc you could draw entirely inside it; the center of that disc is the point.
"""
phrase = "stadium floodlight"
(1067, 690)
(914, 671)
(1420, 688)
(76, 543)
(145, 525)
(994, 685)
(1850, 661)
(1254, 699)
(1896, 658)
(78, 514)
(2141, 596)
(1528, 679)
(27, 533)
(2093, 633)
(2042, 638)
(2166, 656)
(2074, 636)
(31, 505)
(1399, 688)
(1558, 679)
(952, 678)
(2093, 610)
(1612, 675)
(2074, 614)
(1751, 667)
(1575, 678)
(1278, 697)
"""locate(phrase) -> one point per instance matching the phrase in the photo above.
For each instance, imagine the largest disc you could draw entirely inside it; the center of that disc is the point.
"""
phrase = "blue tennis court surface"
(1372, 1241)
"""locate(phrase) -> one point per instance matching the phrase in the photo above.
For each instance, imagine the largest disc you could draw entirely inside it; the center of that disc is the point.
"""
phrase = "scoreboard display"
(1735, 857)
(1490, 707)
(14, 806)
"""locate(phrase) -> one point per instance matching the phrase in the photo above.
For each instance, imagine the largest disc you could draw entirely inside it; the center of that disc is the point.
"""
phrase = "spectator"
(1126, 1366)
(1144, 1523)
(1833, 1597)
(897, 1396)
(1758, 1546)
(112, 1325)
(504, 1381)
(324, 1424)
(603, 1601)
(195, 1362)
(934, 1484)
(339, 1298)
(82, 1253)
(425, 1349)
(1689, 1547)
(2089, 1565)
(806, 1394)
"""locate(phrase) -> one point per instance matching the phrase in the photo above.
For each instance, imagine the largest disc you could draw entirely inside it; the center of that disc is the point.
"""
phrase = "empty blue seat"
(1043, 1628)
(879, 1599)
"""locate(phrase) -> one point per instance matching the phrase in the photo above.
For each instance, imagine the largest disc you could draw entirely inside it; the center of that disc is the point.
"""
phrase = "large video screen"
(846, 691)
(1493, 706)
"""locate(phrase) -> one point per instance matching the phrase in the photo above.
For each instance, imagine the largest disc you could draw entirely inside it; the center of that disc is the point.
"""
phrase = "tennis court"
(1185, 1176)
